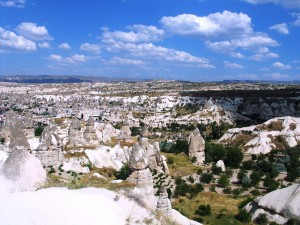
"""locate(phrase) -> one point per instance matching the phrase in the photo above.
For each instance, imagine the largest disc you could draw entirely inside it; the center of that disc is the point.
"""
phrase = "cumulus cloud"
(43, 45)
(9, 41)
(253, 43)
(13, 3)
(137, 33)
(281, 66)
(290, 4)
(281, 28)
(74, 59)
(33, 32)
(217, 25)
(124, 61)
(64, 46)
(153, 52)
(92, 48)
(232, 65)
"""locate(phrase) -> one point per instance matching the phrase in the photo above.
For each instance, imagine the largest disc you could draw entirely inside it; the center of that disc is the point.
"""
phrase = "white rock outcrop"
(278, 205)
(267, 136)
(196, 147)
(21, 172)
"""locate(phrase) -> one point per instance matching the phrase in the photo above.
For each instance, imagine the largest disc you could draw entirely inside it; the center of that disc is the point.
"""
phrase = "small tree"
(206, 178)
(234, 157)
(224, 180)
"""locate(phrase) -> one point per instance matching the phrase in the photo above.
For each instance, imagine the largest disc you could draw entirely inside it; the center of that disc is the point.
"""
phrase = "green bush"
(206, 178)
(261, 219)
(224, 180)
(203, 210)
(123, 173)
(234, 157)
(38, 131)
(243, 216)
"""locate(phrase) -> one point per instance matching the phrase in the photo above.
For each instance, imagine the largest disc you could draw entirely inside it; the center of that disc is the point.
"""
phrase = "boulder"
(278, 205)
(221, 165)
(196, 147)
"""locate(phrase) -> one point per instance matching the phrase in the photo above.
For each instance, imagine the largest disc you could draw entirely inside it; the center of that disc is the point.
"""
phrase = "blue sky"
(198, 40)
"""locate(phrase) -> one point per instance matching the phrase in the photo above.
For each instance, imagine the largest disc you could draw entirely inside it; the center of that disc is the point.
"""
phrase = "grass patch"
(59, 121)
(221, 204)
(181, 164)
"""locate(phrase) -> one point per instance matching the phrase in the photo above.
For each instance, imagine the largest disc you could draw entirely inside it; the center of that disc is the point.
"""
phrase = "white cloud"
(254, 43)
(74, 59)
(278, 76)
(64, 46)
(43, 45)
(232, 65)
(217, 25)
(123, 61)
(281, 66)
(92, 48)
(297, 21)
(281, 28)
(263, 56)
(290, 4)
(138, 33)
(13, 3)
(10, 41)
(33, 32)
(152, 52)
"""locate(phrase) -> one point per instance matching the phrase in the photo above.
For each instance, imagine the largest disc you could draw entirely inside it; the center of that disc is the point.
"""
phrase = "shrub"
(170, 160)
(255, 178)
(245, 202)
(206, 178)
(203, 210)
(123, 173)
(216, 170)
(224, 180)
(135, 131)
(243, 216)
(261, 219)
(293, 221)
(38, 131)
(246, 181)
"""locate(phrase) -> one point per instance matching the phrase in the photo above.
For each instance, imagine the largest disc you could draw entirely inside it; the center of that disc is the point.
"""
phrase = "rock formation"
(28, 125)
(155, 159)
(278, 205)
(163, 203)
(49, 150)
(125, 131)
(74, 134)
(141, 177)
(12, 131)
(90, 132)
(196, 147)
(145, 131)
(21, 172)
(264, 137)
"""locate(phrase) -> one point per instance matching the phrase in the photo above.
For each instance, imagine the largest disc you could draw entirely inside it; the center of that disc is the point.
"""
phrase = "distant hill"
(262, 81)
(35, 79)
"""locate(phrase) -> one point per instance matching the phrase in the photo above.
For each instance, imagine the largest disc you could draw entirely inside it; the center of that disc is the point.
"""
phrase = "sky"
(195, 40)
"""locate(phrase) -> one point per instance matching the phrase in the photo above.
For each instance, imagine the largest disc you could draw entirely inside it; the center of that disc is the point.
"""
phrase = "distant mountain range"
(61, 79)
(35, 79)
(262, 81)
